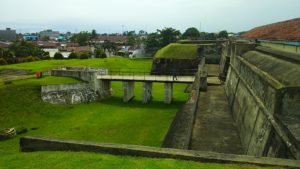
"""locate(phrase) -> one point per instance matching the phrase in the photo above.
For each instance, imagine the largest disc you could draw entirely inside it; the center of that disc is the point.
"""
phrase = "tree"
(22, 49)
(132, 39)
(94, 34)
(223, 34)
(82, 38)
(152, 43)
(191, 33)
(109, 46)
(99, 53)
(85, 55)
(73, 55)
(168, 35)
(58, 56)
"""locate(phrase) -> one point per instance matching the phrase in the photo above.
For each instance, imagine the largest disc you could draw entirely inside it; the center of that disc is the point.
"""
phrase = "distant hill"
(286, 30)
(178, 51)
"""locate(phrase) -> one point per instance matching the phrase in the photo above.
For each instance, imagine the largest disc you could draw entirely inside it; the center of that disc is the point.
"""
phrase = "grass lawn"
(178, 51)
(111, 63)
(81, 160)
(106, 121)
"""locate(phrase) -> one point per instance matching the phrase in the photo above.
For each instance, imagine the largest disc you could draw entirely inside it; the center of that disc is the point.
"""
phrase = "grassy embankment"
(178, 51)
(106, 121)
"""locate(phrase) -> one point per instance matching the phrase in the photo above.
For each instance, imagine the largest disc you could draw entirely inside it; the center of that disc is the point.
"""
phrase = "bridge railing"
(133, 72)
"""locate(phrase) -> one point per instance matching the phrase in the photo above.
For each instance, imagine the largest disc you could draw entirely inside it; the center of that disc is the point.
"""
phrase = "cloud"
(110, 15)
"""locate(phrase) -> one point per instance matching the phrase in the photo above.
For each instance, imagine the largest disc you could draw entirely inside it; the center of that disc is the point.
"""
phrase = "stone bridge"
(100, 80)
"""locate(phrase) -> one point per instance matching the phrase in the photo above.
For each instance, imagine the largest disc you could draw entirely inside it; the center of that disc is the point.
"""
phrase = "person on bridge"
(174, 75)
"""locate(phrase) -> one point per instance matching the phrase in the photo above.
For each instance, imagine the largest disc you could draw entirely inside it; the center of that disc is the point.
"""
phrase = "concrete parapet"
(180, 131)
(259, 87)
(147, 92)
(128, 90)
(168, 93)
(61, 87)
(32, 144)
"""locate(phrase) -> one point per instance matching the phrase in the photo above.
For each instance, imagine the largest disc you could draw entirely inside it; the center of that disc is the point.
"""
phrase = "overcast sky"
(109, 15)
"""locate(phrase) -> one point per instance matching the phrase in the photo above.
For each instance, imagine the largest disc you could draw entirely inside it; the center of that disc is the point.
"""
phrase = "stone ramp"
(214, 128)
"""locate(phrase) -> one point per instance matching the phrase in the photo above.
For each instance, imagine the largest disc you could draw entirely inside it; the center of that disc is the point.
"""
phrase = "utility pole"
(123, 29)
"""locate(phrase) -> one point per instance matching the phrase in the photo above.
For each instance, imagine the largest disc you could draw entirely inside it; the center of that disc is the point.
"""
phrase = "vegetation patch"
(178, 51)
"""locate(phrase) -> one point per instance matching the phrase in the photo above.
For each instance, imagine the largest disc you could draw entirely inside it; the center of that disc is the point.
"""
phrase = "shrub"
(3, 62)
(85, 55)
(99, 53)
(58, 56)
(73, 55)
(11, 60)
(31, 59)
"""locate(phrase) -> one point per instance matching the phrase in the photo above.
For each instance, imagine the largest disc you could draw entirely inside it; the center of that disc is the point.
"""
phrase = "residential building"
(8, 35)
(118, 39)
(53, 35)
(30, 37)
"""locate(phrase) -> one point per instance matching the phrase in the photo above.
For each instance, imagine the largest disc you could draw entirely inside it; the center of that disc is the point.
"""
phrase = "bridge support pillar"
(128, 91)
(203, 78)
(168, 93)
(102, 87)
(147, 92)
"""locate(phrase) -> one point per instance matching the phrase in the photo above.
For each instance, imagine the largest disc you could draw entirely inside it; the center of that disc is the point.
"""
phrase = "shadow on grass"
(154, 104)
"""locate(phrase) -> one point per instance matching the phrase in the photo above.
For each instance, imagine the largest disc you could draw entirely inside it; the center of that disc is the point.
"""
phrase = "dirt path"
(14, 74)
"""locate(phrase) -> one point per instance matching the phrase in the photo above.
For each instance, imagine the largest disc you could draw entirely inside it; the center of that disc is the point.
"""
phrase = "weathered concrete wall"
(211, 52)
(180, 132)
(101, 87)
(68, 94)
(147, 92)
(256, 84)
(283, 47)
(32, 144)
(174, 66)
(128, 91)
(168, 93)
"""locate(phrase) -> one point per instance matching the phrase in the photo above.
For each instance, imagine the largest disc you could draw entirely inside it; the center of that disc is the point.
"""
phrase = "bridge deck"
(148, 78)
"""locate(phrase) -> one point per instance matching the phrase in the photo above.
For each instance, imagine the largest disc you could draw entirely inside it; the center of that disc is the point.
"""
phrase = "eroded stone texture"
(72, 96)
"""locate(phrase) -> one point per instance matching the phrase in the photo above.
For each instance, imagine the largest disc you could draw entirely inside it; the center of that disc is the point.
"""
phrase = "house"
(44, 44)
(4, 44)
(8, 35)
(79, 49)
(118, 39)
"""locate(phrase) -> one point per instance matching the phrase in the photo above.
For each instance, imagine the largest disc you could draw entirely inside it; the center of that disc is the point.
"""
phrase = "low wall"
(68, 93)
(100, 88)
(31, 144)
(281, 46)
(257, 86)
(180, 132)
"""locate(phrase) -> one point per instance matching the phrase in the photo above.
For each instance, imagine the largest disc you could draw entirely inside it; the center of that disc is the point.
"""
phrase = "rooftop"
(286, 30)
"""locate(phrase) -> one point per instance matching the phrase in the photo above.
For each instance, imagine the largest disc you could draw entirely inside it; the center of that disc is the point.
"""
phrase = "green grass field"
(178, 51)
(81, 160)
(111, 63)
(104, 121)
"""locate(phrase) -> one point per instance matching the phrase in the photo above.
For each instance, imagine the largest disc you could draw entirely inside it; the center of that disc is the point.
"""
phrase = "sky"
(116, 16)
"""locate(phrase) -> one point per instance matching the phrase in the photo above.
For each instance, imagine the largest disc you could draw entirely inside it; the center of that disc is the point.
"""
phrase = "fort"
(253, 107)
